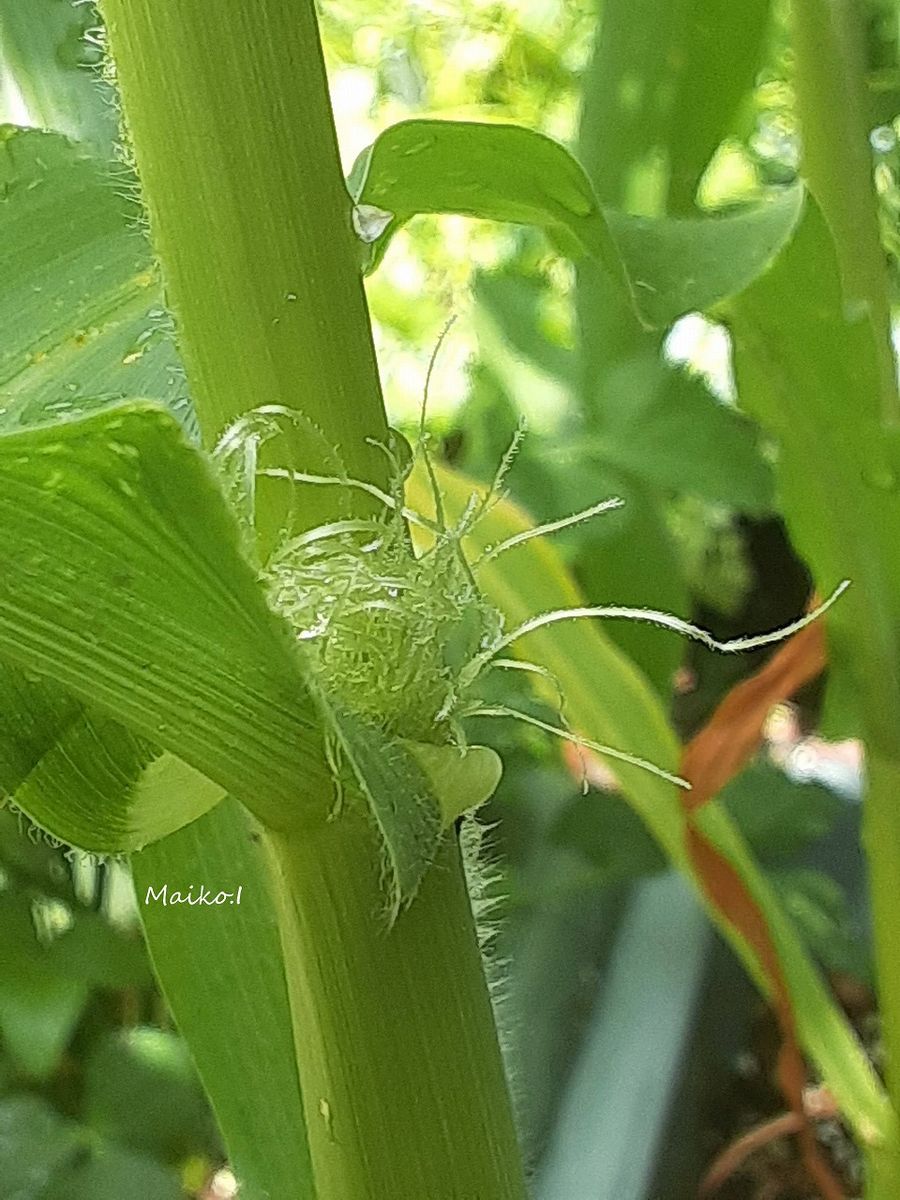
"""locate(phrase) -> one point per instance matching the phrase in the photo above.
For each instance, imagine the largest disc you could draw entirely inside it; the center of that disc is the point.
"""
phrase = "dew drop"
(882, 139)
(370, 222)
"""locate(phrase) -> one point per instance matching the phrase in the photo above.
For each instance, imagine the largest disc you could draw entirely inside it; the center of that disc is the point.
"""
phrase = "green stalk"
(837, 164)
(830, 86)
(228, 113)
(410, 1111)
(230, 122)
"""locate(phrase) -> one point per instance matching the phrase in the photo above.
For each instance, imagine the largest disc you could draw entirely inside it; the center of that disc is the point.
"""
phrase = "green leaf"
(83, 324)
(807, 370)
(111, 1173)
(691, 264)
(778, 816)
(96, 953)
(818, 904)
(506, 173)
(44, 1156)
(222, 973)
(141, 1090)
(80, 306)
(36, 1144)
(685, 440)
(498, 172)
(39, 1006)
(514, 303)
(56, 69)
(414, 792)
(607, 700)
(715, 60)
(461, 780)
(123, 580)
(400, 800)
(83, 777)
(34, 714)
(660, 94)
(100, 788)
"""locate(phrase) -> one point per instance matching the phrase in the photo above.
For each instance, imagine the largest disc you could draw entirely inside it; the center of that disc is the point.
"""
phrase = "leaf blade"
(141, 603)
(667, 266)
(245, 1055)
(607, 699)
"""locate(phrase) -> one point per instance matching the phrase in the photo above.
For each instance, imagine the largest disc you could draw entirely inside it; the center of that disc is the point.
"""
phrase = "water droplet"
(370, 222)
(883, 139)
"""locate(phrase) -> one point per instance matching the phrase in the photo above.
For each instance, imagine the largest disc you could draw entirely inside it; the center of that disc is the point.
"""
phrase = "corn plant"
(243, 622)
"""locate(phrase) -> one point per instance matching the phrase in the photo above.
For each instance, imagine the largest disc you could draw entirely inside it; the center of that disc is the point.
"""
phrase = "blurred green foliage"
(98, 1095)
(676, 109)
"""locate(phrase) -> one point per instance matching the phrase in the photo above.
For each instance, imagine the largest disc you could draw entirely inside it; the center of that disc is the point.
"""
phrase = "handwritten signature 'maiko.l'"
(193, 896)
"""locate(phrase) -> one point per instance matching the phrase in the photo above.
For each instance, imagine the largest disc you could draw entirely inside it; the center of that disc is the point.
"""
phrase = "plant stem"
(229, 118)
(830, 85)
(837, 164)
(882, 1172)
(401, 1085)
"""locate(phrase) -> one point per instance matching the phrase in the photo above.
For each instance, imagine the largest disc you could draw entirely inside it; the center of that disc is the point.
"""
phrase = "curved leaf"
(100, 788)
(121, 578)
(414, 792)
(399, 799)
(670, 266)
(498, 172)
(222, 973)
(691, 264)
(461, 780)
(607, 700)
